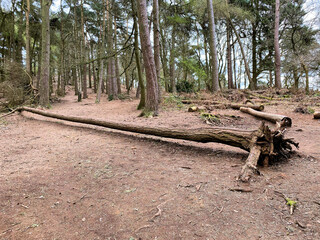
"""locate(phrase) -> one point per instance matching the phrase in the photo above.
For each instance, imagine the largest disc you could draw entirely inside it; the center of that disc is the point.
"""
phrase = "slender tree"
(213, 48)
(101, 53)
(156, 40)
(152, 100)
(28, 56)
(45, 53)
(277, 46)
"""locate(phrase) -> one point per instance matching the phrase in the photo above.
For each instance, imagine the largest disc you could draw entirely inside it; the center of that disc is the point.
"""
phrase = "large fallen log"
(225, 105)
(260, 143)
(284, 121)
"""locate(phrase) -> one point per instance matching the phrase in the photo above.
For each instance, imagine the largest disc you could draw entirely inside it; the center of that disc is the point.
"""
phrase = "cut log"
(225, 105)
(238, 106)
(316, 115)
(284, 121)
(196, 109)
(263, 140)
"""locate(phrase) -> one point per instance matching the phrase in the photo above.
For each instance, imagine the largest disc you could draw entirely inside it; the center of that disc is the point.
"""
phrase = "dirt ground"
(62, 180)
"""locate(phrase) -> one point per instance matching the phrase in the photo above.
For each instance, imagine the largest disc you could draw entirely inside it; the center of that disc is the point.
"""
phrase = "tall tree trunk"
(94, 71)
(116, 58)
(156, 42)
(141, 87)
(62, 77)
(213, 48)
(152, 100)
(45, 53)
(28, 56)
(83, 56)
(253, 83)
(101, 53)
(229, 59)
(246, 65)
(277, 46)
(164, 60)
(172, 60)
(90, 68)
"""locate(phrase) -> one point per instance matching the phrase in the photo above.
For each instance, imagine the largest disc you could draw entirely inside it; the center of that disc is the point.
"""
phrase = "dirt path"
(62, 180)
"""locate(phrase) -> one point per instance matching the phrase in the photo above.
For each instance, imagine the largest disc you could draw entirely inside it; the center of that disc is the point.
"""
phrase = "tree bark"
(83, 56)
(261, 142)
(152, 100)
(28, 56)
(229, 60)
(277, 46)
(172, 61)
(116, 58)
(45, 54)
(101, 53)
(275, 118)
(141, 88)
(156, 42)
(213, 48)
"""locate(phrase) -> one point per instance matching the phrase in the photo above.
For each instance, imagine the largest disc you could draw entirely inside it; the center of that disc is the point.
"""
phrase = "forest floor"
(62, 180)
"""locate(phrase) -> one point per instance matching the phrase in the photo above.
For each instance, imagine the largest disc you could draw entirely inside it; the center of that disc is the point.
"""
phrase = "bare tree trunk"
(90, 68)
(172, 60)
(141, 87)
(156, 42)
(28, 56)
(229, 59)
(116, 58)
(45, 53)
(213, 48)
(62, 89)
(83, 56)
(246, 65)
(152, 100)
(275, 118)
(277, 46)
(101, 53)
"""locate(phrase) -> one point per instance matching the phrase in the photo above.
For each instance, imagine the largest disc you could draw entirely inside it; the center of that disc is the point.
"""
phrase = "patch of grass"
(123, 96)
(147, 114)
(173, 102)
(310, 110)
(210, 117)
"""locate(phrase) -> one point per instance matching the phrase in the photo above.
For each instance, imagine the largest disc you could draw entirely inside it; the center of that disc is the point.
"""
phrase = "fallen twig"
(240, 190)
(9, 113)
(159, 209)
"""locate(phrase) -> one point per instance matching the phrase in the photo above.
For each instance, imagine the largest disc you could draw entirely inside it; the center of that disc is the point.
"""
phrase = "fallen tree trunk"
(263, 140)
(226, 105)
(316, 115)
(284, 121)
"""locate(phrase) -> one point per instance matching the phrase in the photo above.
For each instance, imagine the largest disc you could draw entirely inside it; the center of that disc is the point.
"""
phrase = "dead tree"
(284, 121)
(261, 143)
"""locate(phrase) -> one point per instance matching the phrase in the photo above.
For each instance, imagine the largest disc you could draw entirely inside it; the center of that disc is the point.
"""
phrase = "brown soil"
(61, 180)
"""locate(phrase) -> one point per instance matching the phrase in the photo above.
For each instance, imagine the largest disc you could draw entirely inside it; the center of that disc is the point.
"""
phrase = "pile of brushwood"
(15, 86)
